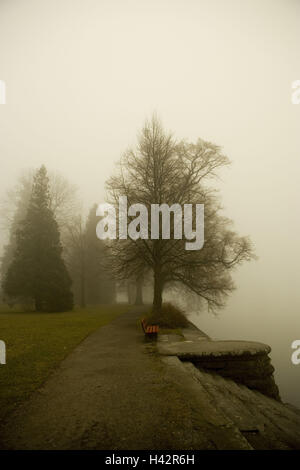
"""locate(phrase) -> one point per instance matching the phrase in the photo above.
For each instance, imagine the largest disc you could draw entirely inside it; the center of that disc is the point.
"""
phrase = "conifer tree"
(37, 271)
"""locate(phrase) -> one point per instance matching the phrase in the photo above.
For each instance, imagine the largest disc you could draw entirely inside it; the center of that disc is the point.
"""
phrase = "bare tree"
(158, 171)
(75, 254)
(85, 256)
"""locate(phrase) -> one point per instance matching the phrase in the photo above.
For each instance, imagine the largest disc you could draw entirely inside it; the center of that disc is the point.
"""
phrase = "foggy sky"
(82, 76)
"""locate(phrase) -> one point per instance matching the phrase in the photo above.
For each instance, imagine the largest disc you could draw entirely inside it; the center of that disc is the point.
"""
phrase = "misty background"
(81, 77)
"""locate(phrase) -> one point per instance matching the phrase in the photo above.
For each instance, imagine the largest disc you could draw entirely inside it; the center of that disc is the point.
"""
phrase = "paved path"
(115, 392)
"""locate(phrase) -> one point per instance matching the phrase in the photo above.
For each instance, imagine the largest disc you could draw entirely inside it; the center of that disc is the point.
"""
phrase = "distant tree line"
(87, 262)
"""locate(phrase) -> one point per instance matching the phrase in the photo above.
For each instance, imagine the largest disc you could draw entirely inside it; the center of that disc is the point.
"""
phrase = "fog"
(81, 77)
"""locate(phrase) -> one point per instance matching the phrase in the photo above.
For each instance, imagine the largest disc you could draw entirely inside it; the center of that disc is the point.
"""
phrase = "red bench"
(149, 330)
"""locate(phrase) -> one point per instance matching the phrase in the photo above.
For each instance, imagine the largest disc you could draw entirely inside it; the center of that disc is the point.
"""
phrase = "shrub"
(168, 317)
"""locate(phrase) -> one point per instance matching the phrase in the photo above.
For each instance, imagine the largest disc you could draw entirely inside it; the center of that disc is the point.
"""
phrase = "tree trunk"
(128, 286)
(139, 291)
(38, 305)
(82, 292)
(82, 282)
(158, 289)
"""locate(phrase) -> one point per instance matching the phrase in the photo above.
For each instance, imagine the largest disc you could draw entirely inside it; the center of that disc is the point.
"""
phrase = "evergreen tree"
(37, 271)
(13, 209)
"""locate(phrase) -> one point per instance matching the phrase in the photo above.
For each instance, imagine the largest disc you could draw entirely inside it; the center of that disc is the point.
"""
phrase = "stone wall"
(245, 362)
(254, 371)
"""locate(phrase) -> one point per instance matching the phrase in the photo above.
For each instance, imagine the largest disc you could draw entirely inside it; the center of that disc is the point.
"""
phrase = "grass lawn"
(37, 342)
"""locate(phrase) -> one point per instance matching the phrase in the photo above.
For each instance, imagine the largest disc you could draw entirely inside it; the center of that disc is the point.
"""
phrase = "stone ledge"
(186, 350)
